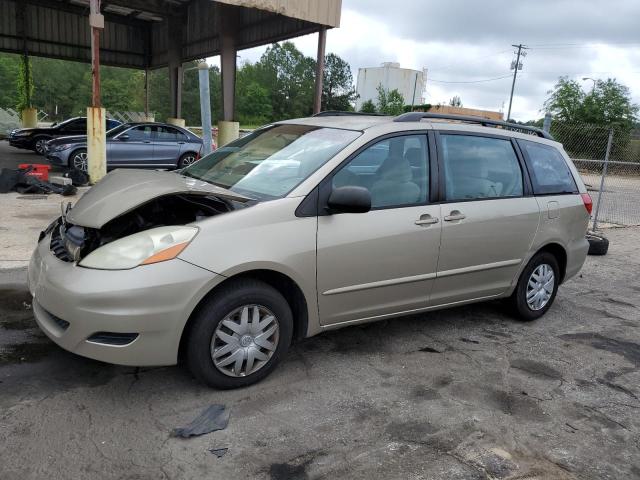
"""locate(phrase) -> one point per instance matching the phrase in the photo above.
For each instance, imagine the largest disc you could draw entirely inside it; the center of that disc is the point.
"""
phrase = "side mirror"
(124, 137)
(350, 199)
(54, 124)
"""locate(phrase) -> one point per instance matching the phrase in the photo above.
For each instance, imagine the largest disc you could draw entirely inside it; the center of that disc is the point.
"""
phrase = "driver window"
(394, 170)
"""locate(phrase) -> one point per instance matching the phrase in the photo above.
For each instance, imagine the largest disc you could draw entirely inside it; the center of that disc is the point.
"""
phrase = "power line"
(470, 81)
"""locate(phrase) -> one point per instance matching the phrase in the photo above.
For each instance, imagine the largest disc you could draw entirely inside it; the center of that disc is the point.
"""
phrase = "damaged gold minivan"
(308, 225)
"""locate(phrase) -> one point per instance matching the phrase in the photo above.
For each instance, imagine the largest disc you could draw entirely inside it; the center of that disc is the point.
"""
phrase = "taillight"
(588, 203)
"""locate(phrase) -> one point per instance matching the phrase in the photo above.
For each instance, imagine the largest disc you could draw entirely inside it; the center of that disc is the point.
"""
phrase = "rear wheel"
(40, 145)
(239, 335)
(78, 160)
(187, 159)
(537, 287)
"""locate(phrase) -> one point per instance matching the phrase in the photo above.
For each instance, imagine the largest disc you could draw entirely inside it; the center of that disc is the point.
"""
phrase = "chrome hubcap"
(80, 161)
(540, 287)
(188, 160)
(245, 340)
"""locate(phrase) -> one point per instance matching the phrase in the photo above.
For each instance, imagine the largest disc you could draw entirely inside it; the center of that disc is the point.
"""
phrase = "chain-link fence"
(609, 162)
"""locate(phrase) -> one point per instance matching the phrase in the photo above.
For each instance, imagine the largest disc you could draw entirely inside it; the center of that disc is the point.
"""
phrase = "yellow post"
(178, 122)
(96, 143)
(227, 132)
(29, 118)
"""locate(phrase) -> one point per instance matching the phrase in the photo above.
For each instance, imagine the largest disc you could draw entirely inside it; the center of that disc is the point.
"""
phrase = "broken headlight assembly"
(142, 248)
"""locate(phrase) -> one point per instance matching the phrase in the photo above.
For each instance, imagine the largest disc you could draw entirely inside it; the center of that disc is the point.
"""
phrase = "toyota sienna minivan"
(304, 226)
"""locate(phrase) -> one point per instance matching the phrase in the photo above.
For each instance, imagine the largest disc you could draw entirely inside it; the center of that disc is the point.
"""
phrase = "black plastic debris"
(215, 417)
(20, 181)
(79, 178)
(218, 452)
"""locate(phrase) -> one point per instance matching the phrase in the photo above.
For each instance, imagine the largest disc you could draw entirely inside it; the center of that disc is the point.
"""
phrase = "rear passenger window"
(480, 167)
(548, 168)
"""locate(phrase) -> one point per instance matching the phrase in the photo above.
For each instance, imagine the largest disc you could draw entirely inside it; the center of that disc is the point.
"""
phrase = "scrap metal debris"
(215, 417)
(218, 452)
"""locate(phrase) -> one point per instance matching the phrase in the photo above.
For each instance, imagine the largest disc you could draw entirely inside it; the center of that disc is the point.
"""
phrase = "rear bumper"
(72, 303)
(576, 256)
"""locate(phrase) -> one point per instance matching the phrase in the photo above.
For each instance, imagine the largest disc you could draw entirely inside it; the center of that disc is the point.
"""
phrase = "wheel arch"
(283, 283)
(560, 253)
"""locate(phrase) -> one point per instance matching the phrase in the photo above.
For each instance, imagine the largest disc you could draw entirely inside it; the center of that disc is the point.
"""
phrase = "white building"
(410, 83)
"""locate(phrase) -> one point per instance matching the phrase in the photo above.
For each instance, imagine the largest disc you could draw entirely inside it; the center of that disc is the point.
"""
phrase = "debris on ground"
(215, 417)
(23, 181)
(219, 452)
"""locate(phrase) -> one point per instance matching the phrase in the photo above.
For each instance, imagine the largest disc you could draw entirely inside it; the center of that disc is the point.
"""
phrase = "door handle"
(426, 220)
(454, 215)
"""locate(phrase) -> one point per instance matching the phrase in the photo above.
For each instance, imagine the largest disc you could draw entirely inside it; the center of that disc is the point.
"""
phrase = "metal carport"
(149, 34)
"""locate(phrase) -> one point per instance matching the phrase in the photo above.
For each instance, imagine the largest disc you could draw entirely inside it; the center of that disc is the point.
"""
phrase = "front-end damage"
(71, 243)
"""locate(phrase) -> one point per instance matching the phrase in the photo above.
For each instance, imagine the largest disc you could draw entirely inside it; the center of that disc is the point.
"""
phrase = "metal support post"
(604, 175)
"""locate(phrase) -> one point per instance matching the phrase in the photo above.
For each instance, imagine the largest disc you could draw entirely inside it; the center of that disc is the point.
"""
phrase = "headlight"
(58, 148)
(142, 248)
(22, 134)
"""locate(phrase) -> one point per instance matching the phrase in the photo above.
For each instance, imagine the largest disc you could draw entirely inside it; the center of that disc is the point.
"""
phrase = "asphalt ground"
(466, 393)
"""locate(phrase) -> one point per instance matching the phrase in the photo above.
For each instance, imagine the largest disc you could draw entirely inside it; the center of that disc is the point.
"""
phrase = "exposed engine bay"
(73, 242)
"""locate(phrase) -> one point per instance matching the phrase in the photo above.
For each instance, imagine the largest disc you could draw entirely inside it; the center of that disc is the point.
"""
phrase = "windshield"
(116, 130)
(272, 161)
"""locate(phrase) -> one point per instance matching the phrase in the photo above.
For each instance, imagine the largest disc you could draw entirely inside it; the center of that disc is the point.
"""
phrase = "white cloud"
(462, 41)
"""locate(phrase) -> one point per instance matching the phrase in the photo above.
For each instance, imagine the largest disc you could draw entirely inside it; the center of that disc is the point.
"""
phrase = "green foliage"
(278, 86)
(607, 104)
(337, 86)
(25, 84)
(425, 107)
(368, 107)
(390, 102)
(455, 101)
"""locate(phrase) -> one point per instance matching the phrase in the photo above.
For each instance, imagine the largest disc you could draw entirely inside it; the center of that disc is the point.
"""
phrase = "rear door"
(384, 261)
(167, 146)
(489, 216)
(131, 148)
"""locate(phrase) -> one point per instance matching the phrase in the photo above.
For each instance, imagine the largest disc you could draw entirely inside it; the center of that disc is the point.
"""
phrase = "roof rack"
(340, 113)
(485, 122)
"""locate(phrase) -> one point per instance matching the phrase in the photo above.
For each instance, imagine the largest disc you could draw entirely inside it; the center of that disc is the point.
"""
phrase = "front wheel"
(78, 160)
(40, 145)
(239, 335)
(537, 287)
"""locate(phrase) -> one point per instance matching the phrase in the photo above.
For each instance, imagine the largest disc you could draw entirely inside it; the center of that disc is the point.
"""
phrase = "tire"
(78, 160)
(187, 159)
(208, 334)
(598, 245)
(39, 145)
(523, 309)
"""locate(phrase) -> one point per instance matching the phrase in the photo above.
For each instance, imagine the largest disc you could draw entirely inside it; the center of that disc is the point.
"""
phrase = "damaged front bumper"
(127, 317)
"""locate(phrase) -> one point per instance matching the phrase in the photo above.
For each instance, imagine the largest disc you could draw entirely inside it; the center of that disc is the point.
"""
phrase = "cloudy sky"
(470, 41)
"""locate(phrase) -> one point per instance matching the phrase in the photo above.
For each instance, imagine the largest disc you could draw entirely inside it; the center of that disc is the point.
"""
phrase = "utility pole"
(96, 119)
(515, 66)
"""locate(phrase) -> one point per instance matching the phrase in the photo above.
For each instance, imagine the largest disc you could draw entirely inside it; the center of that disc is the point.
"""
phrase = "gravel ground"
(467, 393)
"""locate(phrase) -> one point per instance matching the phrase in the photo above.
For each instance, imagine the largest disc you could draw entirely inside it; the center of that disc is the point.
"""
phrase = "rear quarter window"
(549, 171)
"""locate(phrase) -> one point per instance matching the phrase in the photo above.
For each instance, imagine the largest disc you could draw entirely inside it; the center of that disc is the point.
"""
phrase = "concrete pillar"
(178, 122)
(96, 143)
(228, 129)
(29, 118)
(227, 132)
(174, 57)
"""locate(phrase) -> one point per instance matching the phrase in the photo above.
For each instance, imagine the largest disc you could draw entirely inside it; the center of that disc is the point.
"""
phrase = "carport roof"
(137, 33)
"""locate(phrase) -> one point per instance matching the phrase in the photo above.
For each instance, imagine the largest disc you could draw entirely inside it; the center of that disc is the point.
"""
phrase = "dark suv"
(36, 138)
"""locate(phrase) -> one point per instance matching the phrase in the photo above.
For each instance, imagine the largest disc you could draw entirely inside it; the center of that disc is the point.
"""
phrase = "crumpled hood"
(125, 189)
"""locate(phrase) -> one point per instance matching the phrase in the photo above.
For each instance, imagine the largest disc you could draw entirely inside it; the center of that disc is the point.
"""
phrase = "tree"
(337, 85)
(455, 101)
(390, 102)
(607, 104)
(368, 107)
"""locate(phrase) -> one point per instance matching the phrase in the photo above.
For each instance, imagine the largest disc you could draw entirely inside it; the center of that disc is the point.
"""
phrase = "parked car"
(138, 145)
(36, 138)
(304, 226)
